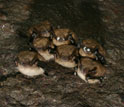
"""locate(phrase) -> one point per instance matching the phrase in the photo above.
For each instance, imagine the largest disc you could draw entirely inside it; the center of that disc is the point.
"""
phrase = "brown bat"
(28, 64)
(92, 49)
(43, 29)
(64, 37)
(44, 47)
(90, 71)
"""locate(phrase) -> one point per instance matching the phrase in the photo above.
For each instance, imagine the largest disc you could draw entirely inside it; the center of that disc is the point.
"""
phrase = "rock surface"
(102, 20)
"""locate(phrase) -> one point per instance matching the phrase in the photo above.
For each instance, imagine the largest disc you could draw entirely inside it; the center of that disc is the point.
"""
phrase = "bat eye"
(86, 49)
(58, 38)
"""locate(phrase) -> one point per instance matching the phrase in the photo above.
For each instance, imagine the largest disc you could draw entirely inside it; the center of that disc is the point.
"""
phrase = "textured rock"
(102, 20)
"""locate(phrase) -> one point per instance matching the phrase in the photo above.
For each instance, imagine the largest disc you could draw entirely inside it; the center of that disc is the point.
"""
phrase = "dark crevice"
(5, 77)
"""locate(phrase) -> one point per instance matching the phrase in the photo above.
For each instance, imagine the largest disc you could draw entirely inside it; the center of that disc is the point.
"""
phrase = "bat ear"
(78, 45)
(52, 33)
(52, 50)
(16, 63)
(16, 60)
(36, 63)
(70, 36)
(100, 57)
(34, 35)
(75, 69)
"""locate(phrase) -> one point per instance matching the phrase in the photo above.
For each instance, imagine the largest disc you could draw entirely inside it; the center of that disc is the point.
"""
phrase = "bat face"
(64, 37)
(26, 57)
(66, 55)
(92, 49)
(44, 29)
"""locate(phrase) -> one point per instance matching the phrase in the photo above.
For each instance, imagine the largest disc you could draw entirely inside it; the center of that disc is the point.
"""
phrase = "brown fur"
(27, 63)
(41, 43)
(66, 50)
(90, 43)
(86, 65)
(26, 56)
(84, 54)
(44, 26)
(90, 64)
(63, 33)
(65, 55)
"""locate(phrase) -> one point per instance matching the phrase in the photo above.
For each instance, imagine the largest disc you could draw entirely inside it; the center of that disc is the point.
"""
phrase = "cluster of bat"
(87, 58)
